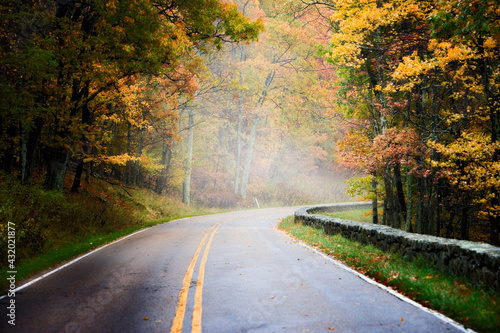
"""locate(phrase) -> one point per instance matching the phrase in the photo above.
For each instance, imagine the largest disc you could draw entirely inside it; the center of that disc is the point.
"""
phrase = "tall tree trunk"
(400, 194)
(374, 200)
(169, 166)
(30, 141)
(57, 160)
(465, 219)
(409, 205)
(248, 156)
(160, 181)
(186, 187)
(390, 212)
(136, 169)
(166, 158)
(432, 209)
(238, 147)
(79, 168)
(419, 214)
(216, 171)
(78, 176)
(409, 178)
(129, 166)
(253, 132)
(79, 171)
(424, 218)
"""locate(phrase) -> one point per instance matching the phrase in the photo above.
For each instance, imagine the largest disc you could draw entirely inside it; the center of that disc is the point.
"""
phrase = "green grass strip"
(457, 298)
(361, 215)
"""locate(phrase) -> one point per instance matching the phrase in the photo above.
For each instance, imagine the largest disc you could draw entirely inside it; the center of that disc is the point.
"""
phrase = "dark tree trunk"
(390, 211)
(168, 170)
(79, 169)
(426, 208)
(136, 167)
(409, 205)
(129, 166)
(421, 209)
(29, 148)
(400, 193)
(374, 201)
(78, 176)
(160, 181)
(465, 220)
(166, 157)
(57, 164)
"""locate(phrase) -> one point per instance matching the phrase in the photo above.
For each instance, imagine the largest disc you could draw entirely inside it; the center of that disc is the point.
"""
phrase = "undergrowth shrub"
(33, 211)
(90, 214)
(48, 219)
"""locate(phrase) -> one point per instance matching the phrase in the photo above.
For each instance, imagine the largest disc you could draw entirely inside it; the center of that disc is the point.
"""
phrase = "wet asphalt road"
(231, 272)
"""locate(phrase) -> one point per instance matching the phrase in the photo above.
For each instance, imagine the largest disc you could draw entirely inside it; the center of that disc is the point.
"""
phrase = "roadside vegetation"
(52, 227)
(474, 306)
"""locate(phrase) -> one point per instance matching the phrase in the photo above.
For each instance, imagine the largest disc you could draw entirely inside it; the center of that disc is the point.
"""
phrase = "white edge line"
(379, 285)
(79, 258)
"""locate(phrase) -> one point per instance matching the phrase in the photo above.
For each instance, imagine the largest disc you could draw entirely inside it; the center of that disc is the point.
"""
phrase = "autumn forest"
(244, 103)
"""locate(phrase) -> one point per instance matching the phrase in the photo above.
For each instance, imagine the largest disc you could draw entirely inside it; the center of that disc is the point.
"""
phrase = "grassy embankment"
(474, 306)
(51, 227)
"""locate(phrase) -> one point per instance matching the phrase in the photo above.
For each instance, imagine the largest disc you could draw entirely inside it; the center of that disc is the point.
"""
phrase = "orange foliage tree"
(430, 70)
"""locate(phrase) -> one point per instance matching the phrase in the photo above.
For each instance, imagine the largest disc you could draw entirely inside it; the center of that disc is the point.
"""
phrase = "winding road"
(231, 272)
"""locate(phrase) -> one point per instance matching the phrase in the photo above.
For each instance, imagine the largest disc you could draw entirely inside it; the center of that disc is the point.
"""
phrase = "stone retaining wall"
(476, 261)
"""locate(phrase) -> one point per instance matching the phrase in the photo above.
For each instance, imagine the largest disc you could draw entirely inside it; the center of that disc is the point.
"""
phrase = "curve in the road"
(245, 277)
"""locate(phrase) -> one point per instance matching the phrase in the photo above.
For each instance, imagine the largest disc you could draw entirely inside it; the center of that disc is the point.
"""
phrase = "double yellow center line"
(182, 301)
(183, 295)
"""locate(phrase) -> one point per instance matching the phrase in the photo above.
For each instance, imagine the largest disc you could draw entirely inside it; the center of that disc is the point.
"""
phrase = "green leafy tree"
(61, 55)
